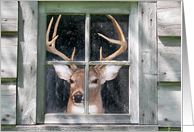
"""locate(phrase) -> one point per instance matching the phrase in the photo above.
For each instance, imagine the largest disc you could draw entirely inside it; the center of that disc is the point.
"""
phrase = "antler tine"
(122, 42)
(50, 45)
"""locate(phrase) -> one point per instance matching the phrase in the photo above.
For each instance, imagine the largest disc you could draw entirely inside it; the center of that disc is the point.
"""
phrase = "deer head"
(98, 74)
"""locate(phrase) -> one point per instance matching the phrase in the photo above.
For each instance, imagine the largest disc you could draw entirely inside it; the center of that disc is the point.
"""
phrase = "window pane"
(71, 31)
(102, 24)
(59, 96)
(108, 94)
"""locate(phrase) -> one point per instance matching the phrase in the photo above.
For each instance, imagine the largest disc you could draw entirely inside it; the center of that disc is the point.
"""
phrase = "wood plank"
(9, 56)
(169, 104)
(87, 59)
(9, 16)
(133, 57)
(169, 18)
(168, 4)
(169, 59)
(27, 65)
(8, 103)
(84, 128)
(41, 94)
(100, 7)
(89, 119)
(148, 63)
(121, 63)
(82, 63)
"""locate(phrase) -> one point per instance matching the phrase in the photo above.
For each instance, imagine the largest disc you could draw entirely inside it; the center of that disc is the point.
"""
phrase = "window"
(78, 27)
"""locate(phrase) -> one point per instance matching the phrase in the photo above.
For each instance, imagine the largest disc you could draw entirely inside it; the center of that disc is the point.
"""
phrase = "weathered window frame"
(62, 118)
(138, 51)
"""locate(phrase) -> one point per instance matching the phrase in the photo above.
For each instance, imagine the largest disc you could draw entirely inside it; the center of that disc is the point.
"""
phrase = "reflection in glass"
(64, 92)
(71, 31)
(102, 24)
(109, 93)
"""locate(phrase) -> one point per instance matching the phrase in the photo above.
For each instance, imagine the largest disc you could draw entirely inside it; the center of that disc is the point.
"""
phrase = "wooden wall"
(9, 46)
(169, 63)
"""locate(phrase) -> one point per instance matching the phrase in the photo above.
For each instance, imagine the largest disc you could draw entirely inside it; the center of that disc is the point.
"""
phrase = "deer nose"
(78, 98)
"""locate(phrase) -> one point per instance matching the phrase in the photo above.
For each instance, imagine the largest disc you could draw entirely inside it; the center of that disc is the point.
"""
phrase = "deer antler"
(122, 42)
(50, 45)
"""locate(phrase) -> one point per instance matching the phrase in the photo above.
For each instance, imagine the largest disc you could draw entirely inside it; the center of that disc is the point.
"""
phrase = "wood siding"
(9, 46)
(9, 56)
(169, 104)
(8, 103)
(9, 16)
(169, 56)
(169, 18)
(169, 63)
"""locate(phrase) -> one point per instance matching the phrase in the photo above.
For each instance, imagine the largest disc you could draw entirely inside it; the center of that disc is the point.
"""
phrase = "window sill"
(83, 128)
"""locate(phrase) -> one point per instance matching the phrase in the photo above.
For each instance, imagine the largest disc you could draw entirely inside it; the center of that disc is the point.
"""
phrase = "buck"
(98, 74)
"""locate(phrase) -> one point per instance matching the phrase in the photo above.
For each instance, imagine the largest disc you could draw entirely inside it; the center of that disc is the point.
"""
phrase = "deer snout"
(78, 97)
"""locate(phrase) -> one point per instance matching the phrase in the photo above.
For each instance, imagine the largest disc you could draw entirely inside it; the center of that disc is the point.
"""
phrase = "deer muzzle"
(78, 97)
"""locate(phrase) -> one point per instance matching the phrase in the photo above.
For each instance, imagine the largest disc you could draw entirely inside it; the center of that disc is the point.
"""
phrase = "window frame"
(46, 8)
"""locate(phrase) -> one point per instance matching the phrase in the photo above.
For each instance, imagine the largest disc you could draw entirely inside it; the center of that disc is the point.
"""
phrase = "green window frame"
(136, 111)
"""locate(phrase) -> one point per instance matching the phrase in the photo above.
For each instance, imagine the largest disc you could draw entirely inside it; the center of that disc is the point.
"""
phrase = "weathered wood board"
(99, 7)
(9, 16)
(133, 56)
(169, 18)
(84, 128)
(169, 59)
(56, 118)
(8, 103)
(27, 63)
(9, 56)
(148, 63)
(169, 104)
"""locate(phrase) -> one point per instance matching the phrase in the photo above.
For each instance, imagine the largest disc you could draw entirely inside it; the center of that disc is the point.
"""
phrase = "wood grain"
(96, 7)
(8, 103)
(27, 65)
(169, 18)
(169, 104)
(9, 16)
(169, 59)
(9, 56)
(148, 63)
(133, 57)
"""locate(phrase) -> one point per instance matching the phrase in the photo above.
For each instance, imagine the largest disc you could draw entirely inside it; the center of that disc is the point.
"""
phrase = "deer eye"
(71, 81)
(95, 81)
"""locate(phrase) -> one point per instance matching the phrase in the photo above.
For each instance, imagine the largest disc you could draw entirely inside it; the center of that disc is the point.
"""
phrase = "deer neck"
(95, 102)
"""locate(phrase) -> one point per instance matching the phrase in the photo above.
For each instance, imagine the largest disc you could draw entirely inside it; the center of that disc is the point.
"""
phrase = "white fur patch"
(93, 85)
(93, 109)
(80, 109)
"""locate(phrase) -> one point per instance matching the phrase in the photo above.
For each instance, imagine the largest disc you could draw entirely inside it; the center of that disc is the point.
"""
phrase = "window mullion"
(87, 59)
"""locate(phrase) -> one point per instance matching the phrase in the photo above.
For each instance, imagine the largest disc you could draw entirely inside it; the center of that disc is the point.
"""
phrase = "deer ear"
(63, 71)
(109, 73)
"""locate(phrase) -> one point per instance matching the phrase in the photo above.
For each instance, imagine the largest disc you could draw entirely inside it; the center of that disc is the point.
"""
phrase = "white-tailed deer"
(75, 76)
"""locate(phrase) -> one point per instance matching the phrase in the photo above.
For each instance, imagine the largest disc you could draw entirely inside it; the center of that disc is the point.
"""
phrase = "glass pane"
(109, 93)
(71, 31)
(64, 92)
(102, 24)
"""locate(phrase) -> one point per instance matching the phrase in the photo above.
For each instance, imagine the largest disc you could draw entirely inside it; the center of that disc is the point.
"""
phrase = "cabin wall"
(168, 66)
(9, 48)
(169, 63)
